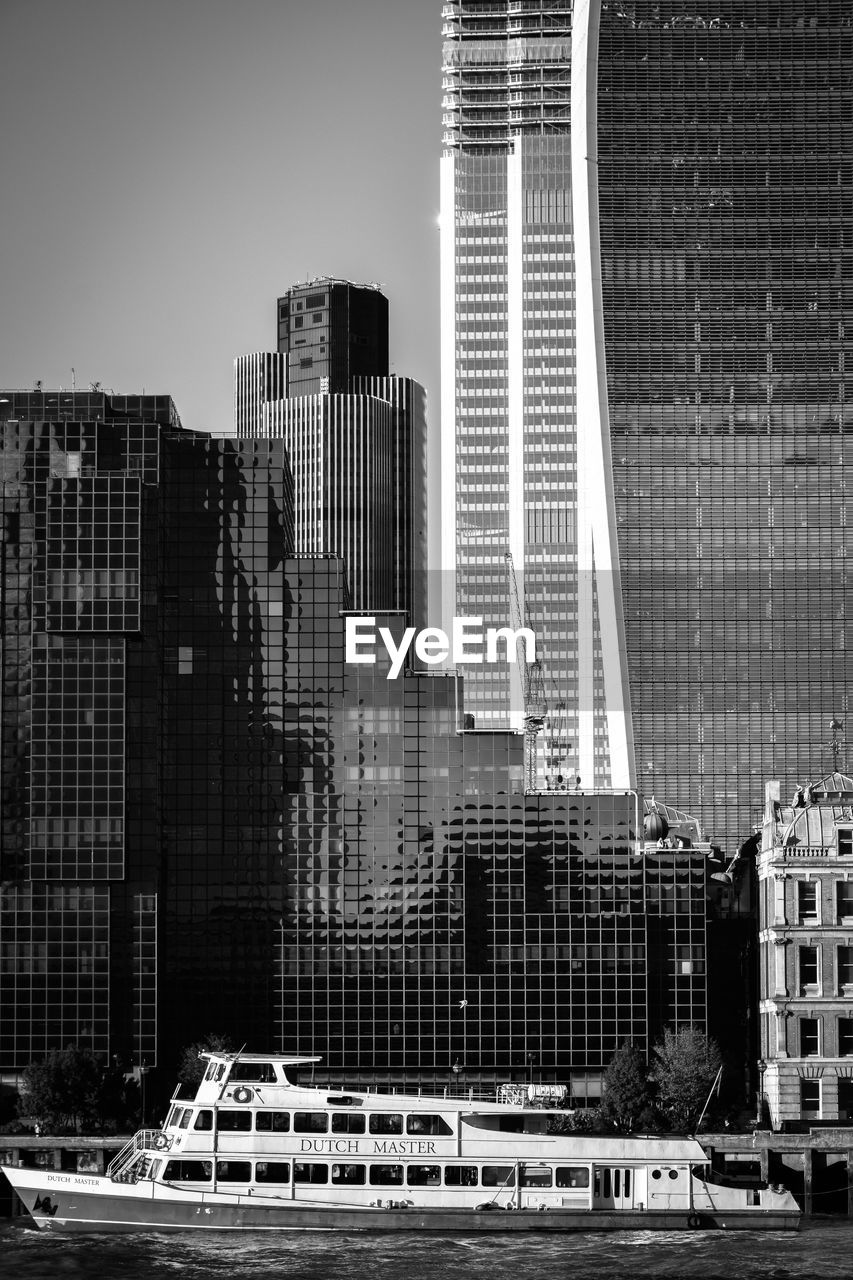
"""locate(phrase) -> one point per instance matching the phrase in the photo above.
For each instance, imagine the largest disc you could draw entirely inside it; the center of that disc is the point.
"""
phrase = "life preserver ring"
(242, 1094)
(162, 1142)
(694, 1221)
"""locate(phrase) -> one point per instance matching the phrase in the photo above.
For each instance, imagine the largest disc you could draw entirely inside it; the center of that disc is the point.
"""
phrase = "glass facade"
(701, 270)
(141, 717)
(441, 924)
(726, 195)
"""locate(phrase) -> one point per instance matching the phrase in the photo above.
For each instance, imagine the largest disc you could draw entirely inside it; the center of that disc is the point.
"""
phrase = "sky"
(169, 167)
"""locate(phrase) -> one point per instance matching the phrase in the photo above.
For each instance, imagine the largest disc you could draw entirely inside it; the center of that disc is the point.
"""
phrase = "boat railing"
(143, 1139)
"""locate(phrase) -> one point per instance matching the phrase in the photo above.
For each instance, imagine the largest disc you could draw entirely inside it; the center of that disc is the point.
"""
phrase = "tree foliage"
(191, 1068)
(62, 1093)
(627, 1095)
(684, 1067)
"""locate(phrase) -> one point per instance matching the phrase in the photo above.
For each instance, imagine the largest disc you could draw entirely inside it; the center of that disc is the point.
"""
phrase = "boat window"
(154, 1171)
(606, 1189)
(172, 1117)
(498, 1175)
(535, 1175)
(617, 1182)
(434, 1126)
(234, 1121)
(233, 1171)
(460, 1175)
(303, 1172)
(627, 1182)
(351, 1175)
(386, 1122)
(386, 1175)
(572, 1176)
(188, 1171)
(423, 1175)
(346, 1122)
(253, 1073)
(220, 1071)
(272, 1121)
(343, 1100)
(184, 1122)
(524, 1123)
(656, 1174)
(270, 1171)
(204, 1121)
(211, 1071)
(310, 1122)
(673, 1173)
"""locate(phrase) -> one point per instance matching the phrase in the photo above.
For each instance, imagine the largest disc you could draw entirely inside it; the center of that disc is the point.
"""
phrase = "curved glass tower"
(646, 270)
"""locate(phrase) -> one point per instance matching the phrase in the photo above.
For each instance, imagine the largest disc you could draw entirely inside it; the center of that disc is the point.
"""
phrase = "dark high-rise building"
(725, 167)
(141, 725)
(355, 437)
(646, 277)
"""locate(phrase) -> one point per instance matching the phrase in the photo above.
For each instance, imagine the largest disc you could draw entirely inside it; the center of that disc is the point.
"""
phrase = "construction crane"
(531, 676)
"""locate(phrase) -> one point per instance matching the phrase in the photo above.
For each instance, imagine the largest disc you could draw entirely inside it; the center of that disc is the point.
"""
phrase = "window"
(315, 300)
(253, 1073)
(272, 1122)
(807, 901)
(344, 1122)
(460, 1175)
(310, 1122)
(572, 1176)
(844, 901)
(269, 1171)
(234, 1121)
(317, 317)
(845, 1037)
(845, 1099)
(535, 1175)
(423, 1175)
(185, 1119)
(809, 1037)
(433, 1126)
(498, 1175)
(298, 322)
(808, 969)
(204, 1121)
(845, 967)
(233, 1171)
(844, 837)
(389, 1123)
(188, 1171)
(310, 1172)
(386, 1175)
(351, 1175)
(810, 1097)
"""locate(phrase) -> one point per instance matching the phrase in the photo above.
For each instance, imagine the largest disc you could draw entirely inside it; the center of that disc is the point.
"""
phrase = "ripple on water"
(822, 1250)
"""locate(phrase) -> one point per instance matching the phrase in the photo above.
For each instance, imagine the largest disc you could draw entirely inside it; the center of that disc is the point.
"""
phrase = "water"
(822, 1250)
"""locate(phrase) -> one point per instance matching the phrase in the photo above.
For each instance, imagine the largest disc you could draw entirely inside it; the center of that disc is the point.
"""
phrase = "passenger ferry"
(256, 1151)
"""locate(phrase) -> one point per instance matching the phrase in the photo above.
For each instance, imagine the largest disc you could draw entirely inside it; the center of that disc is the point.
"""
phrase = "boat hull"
(97, 1205)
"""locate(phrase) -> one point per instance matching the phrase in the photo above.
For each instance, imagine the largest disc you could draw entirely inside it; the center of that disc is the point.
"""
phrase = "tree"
(626, 1088)
(684, 1068)
(191, 1068)
(62, 1092)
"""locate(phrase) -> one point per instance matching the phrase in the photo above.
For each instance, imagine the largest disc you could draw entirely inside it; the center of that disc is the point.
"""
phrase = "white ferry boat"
(255, 1151)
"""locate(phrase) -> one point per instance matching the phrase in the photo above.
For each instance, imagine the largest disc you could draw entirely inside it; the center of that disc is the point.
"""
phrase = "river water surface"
(823, 1249)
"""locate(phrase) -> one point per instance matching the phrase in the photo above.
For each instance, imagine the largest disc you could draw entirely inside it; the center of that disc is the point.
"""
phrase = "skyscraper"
(140, 726)
(645, 278)
(524, 400)
(355, 437)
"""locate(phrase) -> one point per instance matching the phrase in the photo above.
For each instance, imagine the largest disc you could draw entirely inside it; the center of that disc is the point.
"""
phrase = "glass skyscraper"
(645, 276)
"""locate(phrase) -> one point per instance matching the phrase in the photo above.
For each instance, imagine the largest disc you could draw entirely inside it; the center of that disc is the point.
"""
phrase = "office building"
(805, 875)
(644, 284)
(259, 377)
(141, 725)
(355, 437)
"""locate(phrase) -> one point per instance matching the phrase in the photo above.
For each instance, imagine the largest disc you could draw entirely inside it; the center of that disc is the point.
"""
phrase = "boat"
(256, 1150)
